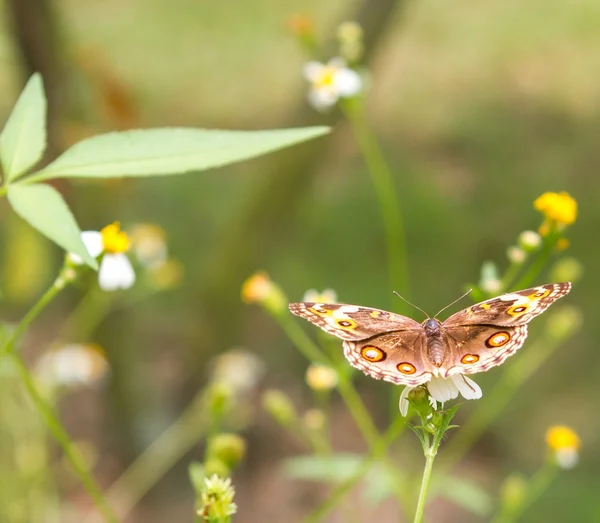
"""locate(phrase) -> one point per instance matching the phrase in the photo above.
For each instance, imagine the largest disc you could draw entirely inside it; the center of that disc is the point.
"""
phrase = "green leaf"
(155, 152)
(467, 495)
(23, 139)
(328, 469)
(44, 209)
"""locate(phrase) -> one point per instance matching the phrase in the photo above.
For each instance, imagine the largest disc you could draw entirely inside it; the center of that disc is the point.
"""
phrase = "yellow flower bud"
(559, 208)
(321, 377)
(228, 448)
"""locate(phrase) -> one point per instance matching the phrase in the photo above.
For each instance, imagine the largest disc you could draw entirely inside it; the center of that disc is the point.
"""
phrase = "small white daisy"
(330, 82)
(444, 389)
(72, 365)
(115, 270)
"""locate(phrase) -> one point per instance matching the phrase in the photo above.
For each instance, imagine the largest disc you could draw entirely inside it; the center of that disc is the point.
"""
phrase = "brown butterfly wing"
(477, 348)
(397, 357)
(352, 322)
(514, 308)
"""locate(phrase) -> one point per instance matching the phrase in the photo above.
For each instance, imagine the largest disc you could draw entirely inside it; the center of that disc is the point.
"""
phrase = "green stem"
(72, 453)
(3, 191)
(485, 412)
(538, 264)
(383, 182)
(40, 305)
(303, 343)
(45, 410)
(430, 456)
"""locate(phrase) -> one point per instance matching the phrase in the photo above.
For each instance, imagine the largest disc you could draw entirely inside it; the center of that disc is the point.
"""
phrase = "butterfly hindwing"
(397, 357)
(477, 348)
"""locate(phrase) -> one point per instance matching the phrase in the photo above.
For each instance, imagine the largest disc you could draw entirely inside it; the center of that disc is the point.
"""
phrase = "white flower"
(115, 270)
(326, 296)
(444, 389)
(71, 365)
(330, 82)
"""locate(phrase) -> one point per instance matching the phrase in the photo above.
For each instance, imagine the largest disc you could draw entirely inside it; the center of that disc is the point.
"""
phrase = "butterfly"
(400, 350)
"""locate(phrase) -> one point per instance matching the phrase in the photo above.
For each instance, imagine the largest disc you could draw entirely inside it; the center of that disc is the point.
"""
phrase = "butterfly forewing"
(513, 308)
(352, 322)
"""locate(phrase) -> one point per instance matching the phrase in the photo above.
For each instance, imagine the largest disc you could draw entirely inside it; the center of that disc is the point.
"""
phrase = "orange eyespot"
(372, 353)
(539, 295)
(497, 340)
(406, 368)
(467, 359)
(517, 310)
(319, 311)
(346, 324)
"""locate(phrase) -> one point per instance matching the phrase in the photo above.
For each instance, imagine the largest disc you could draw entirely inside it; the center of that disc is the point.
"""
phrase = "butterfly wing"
(397, 357)
(514, 308)
(484, 335)
(384, 345)
(477, 348)
(352, 322)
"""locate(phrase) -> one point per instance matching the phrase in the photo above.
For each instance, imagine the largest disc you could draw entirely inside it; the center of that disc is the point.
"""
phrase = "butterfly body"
(398, 349)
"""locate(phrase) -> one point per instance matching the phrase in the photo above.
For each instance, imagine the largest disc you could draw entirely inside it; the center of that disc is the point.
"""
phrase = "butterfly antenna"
(411, 304)
(455, 301)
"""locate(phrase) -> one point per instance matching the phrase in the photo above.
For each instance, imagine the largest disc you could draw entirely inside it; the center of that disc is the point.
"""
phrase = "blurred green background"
(480, 107)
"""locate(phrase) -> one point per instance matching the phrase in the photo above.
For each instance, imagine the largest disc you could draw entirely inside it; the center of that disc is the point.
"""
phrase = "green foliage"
(155, 152)
(23, 139)
(44, 209)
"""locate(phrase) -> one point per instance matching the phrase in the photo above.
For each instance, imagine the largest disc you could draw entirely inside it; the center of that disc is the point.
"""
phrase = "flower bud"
(280, 407)
(258, 288)
(513, 492)
(564, 322)
(228, 448)
(321, 377)
(567, 269)
(530, 241)
(516, 255)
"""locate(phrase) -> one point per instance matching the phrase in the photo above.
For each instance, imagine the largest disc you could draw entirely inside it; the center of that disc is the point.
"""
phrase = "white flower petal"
(93, 243)
(322, 99)
(566, 458)
(467, 387)
(442, 389)
(403, 404)
(115, 272)
(313, 70)
(347, 82)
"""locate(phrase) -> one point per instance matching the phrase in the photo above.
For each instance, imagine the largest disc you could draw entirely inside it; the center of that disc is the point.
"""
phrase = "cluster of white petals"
(115, 270)
(442, 390)
(331, 81)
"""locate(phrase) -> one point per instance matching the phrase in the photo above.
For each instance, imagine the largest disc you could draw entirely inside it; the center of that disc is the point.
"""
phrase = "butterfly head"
(432, 327)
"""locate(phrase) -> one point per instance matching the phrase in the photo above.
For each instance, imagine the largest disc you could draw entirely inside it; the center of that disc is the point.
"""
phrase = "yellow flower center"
(114, 240)
(558, 207)
(326, 78)
(561, 437)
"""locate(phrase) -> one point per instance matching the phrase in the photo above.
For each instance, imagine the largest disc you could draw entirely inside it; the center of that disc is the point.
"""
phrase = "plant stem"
(52, 422)
(383, 182)
(40, 305)
(430, 456)
(72, 453)
(538, 264)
